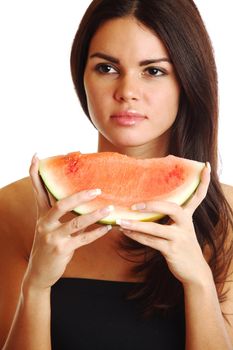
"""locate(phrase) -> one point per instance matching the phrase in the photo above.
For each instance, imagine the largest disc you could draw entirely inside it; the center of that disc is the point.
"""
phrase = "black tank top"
(89, 314)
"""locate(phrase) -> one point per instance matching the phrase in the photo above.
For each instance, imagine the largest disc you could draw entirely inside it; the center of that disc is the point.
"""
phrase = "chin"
(128, 143)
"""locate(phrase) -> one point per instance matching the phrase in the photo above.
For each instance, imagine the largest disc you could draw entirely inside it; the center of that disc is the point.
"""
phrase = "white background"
(39, 111)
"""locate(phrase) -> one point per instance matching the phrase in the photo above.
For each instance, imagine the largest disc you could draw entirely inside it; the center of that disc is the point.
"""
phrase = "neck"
(154, 149)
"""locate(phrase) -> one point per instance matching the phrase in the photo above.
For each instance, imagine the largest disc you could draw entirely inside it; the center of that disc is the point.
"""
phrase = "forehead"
(124, 36)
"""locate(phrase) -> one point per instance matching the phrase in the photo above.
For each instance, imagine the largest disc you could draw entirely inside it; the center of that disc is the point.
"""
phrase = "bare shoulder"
(227, 304)
(17, 222)
(17, 210)
(228, 192)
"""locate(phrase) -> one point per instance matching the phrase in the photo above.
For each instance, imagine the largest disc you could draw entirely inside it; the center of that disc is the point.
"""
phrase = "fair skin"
(33, 263)
(131, 84)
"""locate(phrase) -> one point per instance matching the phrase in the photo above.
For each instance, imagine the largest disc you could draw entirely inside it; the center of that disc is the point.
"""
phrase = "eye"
(105, 68)
(153, 71)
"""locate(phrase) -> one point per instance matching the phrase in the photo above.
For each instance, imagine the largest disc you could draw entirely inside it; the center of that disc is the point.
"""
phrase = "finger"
(65, 205)
(40, 193)
(149, 228)
(80, 223)
(85, 238)
(173, 210)
(148, 240)
(201, 191)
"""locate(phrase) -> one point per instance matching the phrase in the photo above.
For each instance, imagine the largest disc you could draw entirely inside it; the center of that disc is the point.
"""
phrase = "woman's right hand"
(55, 242)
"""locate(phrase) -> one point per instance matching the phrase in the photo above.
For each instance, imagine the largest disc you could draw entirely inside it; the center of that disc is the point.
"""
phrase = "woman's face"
(131, 87)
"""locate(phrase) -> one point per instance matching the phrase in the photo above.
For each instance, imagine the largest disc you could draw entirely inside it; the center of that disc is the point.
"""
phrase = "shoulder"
(16, 192)
(228, 192)
(17, 222)
(17, 211)
(227, 291)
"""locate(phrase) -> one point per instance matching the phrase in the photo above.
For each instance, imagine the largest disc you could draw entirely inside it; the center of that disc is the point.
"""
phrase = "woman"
(145, 75)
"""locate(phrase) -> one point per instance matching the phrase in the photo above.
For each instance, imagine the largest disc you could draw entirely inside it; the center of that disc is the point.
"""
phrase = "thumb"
(42, 199)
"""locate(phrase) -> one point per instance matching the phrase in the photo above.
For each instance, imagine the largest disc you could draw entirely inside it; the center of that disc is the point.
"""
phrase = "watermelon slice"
(123, 180)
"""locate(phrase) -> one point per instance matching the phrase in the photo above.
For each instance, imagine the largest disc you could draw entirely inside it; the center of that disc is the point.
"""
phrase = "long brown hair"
(194, 133)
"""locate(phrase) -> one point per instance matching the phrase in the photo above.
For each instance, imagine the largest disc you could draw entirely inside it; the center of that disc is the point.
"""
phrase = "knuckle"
(76, 224)
(58, 248)
(40, 227)
(83, 239)
(48, 239)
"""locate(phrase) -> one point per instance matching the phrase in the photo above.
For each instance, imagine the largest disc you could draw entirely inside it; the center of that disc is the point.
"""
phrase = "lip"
(128, 118)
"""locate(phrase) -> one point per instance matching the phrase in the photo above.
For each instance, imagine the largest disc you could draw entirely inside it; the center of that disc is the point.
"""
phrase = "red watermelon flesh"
(123, 180)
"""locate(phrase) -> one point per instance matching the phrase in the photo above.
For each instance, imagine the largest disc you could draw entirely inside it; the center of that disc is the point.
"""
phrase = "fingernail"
(108, 227)
(34, 157)
(94, 193)
(107, 209)
(207, 164)
(124, 223)
(105, 228)
(138, 206)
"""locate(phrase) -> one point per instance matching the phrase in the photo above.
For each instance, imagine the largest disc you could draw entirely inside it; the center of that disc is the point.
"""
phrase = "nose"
(127, 89)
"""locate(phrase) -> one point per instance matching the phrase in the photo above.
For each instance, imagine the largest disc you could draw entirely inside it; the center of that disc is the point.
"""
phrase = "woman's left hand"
(177, 241)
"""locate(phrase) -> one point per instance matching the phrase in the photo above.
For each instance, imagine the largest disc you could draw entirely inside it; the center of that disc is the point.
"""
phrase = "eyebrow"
(141, 63)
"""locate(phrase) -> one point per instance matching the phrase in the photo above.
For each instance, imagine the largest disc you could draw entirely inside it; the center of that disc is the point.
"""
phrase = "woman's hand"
(55, 242)
(177, 242)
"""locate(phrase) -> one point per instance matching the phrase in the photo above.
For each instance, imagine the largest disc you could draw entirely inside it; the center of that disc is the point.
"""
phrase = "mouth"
(128, 118)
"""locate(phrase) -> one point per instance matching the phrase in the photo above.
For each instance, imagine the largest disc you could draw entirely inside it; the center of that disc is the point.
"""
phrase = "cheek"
(95, 103)
(99, 105)
(168, 100)
(90, 94)
(96, 108)
(95, 95)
